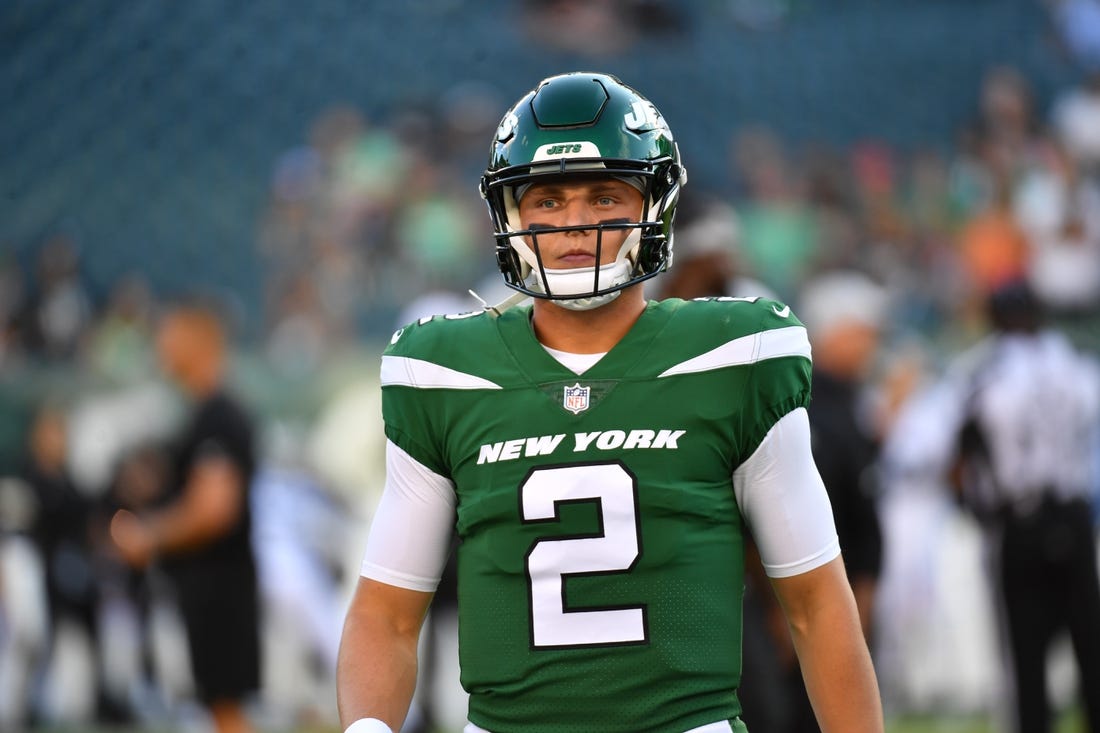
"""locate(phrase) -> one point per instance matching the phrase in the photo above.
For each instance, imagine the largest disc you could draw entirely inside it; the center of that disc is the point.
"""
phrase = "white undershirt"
(576, 363)
(778, 489)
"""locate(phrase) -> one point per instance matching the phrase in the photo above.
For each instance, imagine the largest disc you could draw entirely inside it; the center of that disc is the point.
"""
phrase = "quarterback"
(602, 460)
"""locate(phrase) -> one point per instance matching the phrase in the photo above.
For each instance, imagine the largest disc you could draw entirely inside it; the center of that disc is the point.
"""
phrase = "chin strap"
(586, 304)
(499, 308)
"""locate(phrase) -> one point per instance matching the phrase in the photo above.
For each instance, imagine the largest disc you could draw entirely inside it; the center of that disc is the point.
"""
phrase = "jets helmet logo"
(576, 398)
(507, 127)
(643, 117)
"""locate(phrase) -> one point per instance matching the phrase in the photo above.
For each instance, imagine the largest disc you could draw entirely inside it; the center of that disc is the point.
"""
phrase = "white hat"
(840, 297)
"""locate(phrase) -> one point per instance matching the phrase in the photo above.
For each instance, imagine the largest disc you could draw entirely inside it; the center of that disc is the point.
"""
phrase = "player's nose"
(578, 213)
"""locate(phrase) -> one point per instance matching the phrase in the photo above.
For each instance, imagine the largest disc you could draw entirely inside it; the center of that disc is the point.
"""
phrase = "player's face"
(579, 203)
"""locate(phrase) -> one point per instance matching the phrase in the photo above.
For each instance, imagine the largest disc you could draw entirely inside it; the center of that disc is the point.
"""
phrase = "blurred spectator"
(59, 308)
(130, 594)
(935, 643)
(993, 247)
(1078, 23)
(120, 342)
(832, 194)
(24, 611)
(844, 313)
(877, 195)
(300, 336)
(779, 232)
(301, 538)
(929, 208)
(64, 531)
(12, 295)
(1076, 119)
(202, 531)
(435, 232)
(707, 255)
(1007, 129)
(1028, 432)
(921, 271)
(598, 27)
(469, 112)
(1004, 145)
(1059, 209)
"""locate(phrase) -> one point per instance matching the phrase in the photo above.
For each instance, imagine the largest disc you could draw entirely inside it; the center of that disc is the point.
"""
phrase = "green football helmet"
(583, 124)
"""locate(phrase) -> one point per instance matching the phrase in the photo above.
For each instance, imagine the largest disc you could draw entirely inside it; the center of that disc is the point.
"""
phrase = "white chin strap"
(579, 280)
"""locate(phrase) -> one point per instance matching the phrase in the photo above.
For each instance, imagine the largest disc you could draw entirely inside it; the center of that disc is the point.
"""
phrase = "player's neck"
(587, 332)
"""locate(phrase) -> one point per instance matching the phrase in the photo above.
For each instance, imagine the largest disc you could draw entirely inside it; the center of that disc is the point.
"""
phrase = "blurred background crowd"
(313, 170)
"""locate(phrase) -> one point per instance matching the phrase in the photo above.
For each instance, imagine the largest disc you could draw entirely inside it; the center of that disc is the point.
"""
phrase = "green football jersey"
(601, 560)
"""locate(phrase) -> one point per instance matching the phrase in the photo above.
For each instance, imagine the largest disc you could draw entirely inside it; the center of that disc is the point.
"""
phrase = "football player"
(602, 458)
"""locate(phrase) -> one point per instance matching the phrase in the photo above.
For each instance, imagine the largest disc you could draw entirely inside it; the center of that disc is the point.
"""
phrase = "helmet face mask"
(578, 126)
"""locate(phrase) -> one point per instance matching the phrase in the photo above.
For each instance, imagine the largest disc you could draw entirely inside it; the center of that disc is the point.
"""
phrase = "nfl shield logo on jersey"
(576, 398)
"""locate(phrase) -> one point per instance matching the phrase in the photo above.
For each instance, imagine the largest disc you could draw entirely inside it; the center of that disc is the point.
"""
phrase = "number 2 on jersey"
(613, 549)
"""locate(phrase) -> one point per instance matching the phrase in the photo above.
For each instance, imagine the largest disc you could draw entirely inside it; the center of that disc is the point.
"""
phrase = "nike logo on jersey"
(782, 312)
(599, 440)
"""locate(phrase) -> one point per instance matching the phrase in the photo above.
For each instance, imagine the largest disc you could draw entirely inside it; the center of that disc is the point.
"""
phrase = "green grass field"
(1070, 722)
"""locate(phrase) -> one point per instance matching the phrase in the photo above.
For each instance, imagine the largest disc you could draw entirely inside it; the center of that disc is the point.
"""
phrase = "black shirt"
(846, 455)
(219, 427)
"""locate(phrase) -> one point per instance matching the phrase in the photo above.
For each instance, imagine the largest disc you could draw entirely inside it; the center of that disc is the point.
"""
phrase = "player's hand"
(132, 537)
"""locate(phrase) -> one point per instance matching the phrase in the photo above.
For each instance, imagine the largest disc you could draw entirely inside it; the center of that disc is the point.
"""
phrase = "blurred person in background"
(1059, 209)
(993, 247)
(59, 308)
(62, 528)
(1075, 117)
(709, 261)
(780, 232)
(1029, 417)
(844, 312)
(1007, 129)
(303, 527)
(599, 27)
(13, 294)
(119, 343)
(130, 593)
(201, 532)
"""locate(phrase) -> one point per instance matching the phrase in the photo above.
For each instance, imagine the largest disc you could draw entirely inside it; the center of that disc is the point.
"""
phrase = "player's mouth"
(577, 258)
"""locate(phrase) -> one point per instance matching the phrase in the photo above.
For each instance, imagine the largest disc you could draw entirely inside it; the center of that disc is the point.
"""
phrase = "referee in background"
(1026, 462)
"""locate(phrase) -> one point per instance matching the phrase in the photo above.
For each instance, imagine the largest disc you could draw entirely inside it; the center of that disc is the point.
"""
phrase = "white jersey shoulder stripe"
(406, 371)
(773, 344)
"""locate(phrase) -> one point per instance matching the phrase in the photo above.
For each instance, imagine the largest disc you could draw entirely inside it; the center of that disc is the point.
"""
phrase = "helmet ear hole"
(509, 263)
(652, 257)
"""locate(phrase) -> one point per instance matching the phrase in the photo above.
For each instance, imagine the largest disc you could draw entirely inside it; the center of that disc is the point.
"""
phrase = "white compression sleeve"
(410, 535)
(781, 494)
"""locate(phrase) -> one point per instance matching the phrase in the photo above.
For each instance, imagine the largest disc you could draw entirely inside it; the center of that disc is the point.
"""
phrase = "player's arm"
(376, 668)
(407, 548)
(836, 665)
